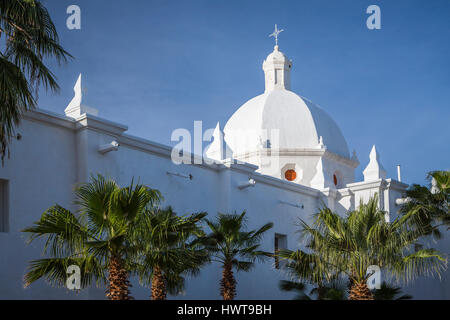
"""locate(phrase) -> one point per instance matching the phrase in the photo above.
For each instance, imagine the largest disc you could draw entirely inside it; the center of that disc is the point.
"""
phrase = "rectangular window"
(4, 218)
(280, 243)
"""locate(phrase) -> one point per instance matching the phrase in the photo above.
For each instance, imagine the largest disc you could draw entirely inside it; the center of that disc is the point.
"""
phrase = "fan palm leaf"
(345, 246)
(97, 239)
(233, 247)
(29, 37)
(429, 205)
(168, 250)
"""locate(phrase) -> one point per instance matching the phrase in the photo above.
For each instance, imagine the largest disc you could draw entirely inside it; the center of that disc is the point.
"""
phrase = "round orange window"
(290, 175)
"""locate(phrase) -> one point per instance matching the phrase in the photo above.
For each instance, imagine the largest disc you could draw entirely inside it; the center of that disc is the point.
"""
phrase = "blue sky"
(159, 65)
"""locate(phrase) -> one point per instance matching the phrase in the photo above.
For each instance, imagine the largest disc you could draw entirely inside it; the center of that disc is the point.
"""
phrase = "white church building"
(279, 157)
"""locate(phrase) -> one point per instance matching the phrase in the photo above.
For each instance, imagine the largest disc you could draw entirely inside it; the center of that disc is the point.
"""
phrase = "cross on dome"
(275, 34)
(277, 67)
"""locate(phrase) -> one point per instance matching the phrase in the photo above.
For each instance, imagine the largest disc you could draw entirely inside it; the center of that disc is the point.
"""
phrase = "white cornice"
(396, 185)
(344, 192)
(285, 185)
(331, 155)
(380, 183)
(162, 150)
(99, 124)
(238, 165)
(49, 117)
(329, 193)
(298, 152)
(281, 152)
(83, 122)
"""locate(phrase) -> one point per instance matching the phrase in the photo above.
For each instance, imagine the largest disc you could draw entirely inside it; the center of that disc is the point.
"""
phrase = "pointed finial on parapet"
(76, 108)
(374, 169)
(374, 154)
(215, 149)
(77, 88)
(78, 95)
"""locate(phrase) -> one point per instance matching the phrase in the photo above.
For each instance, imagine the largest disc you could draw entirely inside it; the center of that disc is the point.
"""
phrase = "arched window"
(335, 179)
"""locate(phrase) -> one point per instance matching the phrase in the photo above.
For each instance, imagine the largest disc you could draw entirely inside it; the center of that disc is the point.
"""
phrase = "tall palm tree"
(331, 292)
(389, 292)
(168, 249)
(234, 247)
(308, 268)
(338, 292)
(29, 37)
(430, 204)
(97, 239)
(347, 245)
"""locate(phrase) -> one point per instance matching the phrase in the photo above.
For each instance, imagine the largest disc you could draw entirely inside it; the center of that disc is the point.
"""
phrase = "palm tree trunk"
(158, 285)
(359, 291)
(118, 287)
(320, 292)
(228, 283)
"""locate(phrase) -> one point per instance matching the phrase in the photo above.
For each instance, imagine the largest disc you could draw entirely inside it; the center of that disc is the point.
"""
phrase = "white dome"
(300, 122)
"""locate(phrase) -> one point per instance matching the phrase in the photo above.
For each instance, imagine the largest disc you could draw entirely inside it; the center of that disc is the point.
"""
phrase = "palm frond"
(30, 38)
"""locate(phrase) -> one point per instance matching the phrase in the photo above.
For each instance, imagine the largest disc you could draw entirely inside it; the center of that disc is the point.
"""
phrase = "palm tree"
(309, 269)
(338, 292)
(168, 249)
(97, 239)
(348, 245)
(430, 204)
(232, 246)
(389, 292)
(29, 37)
(332, 292)
(298, 287)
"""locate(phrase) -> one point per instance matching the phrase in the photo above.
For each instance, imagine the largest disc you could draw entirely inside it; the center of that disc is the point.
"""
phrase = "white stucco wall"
(56, 152)
(40, 172)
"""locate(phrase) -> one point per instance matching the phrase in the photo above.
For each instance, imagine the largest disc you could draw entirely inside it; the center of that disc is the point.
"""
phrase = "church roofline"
(84, 121)
(87, 121)
(49, 117)
(103, 125)
(383, 183)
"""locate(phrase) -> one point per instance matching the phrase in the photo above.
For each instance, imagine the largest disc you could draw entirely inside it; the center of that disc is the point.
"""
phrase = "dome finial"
(275, 35)
(277, 67)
